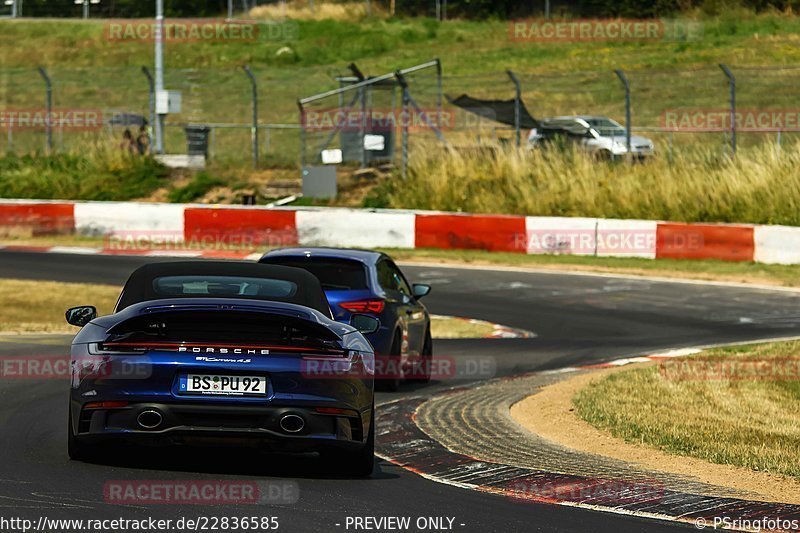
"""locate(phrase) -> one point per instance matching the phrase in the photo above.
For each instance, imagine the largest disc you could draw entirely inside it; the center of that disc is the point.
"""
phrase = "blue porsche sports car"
(211, 352)
(365, 281)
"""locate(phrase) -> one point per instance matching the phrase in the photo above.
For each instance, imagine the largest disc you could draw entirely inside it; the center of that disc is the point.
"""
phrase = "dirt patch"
(550, 414)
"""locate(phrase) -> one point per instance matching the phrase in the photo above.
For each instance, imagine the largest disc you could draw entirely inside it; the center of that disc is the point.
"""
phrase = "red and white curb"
(130, 223)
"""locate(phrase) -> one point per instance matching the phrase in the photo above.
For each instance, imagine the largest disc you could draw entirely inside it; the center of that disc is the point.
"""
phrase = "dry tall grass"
(301, 10)
(734, 406)
(760, 185)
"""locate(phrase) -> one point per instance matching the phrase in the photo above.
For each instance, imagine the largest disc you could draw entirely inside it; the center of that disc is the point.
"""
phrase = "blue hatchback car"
(369, 282)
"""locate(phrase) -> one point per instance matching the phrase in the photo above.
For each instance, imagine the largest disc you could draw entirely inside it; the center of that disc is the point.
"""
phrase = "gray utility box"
(319, 182)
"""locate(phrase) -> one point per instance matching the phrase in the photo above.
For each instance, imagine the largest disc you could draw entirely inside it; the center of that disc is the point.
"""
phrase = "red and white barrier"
(259, 226)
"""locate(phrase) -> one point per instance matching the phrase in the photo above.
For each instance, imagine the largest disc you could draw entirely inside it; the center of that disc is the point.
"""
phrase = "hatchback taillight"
(364, 306)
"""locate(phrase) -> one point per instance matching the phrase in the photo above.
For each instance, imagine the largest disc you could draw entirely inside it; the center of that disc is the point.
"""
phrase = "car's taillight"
(364, 306)
(110, 348)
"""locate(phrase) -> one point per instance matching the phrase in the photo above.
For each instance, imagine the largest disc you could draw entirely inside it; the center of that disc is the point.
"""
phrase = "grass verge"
(734, 406)
(702, 270)
(449, 327)
(39, 306)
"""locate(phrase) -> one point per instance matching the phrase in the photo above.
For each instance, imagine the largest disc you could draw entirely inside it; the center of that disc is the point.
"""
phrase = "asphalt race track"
(578, 319)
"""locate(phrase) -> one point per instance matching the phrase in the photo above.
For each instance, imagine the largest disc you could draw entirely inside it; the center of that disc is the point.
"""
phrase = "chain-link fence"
(674, 108)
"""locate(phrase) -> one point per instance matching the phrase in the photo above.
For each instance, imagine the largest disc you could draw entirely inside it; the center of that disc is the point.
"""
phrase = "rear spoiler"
(223, 321)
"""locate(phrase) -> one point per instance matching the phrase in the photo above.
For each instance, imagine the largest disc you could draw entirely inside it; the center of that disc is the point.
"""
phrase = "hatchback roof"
(355, 254)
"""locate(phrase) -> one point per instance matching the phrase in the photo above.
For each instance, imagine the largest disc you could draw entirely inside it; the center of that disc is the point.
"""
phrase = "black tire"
(392, 384)
(360, 463)
(423, 375)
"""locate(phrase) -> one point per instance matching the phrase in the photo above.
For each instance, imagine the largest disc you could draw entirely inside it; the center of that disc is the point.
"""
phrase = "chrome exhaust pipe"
(149, 419)
(292, 423)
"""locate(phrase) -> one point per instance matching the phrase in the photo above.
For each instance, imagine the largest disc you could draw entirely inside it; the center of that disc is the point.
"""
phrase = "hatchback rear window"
(333, 274)
(223, 287)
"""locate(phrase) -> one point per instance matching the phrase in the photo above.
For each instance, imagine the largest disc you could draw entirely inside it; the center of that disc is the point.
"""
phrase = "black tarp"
(502, 111)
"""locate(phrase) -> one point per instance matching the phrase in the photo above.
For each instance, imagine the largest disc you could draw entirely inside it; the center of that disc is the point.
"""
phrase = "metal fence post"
(624, 80)
(404, 142)
(49, 121)
(439, 92)
(302, 135)
(517, 105)
(732, 84)
(212, 143)
(254, 129)
(152, 103)
(159, 68)
(363, 126)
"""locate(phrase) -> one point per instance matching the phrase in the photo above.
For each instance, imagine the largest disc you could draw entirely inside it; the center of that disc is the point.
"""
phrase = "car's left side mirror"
(365, 323)
(420, 290)
(80, 316)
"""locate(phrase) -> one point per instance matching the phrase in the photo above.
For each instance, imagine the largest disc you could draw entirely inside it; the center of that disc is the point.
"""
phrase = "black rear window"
(333, 274)
(223, 287)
